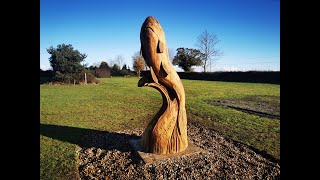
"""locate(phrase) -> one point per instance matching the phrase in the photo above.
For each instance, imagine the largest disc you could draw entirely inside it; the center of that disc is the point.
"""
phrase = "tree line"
(66, 61)
(67, 65)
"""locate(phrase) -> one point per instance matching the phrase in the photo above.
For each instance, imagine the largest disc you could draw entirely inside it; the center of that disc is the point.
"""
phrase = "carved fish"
(155, 52)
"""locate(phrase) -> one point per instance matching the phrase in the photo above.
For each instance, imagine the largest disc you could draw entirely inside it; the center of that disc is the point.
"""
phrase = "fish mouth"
(148, 27)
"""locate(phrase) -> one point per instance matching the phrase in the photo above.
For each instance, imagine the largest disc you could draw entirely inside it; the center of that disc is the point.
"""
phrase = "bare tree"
(138, 62)
(171, 53)
(111, 62)
(207, 43)
(119, 60)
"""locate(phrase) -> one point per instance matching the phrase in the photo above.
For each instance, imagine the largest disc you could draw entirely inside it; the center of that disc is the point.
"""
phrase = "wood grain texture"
(167, 132)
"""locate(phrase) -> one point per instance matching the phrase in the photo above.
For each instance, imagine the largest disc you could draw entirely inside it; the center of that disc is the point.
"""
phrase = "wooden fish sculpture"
(167, 132)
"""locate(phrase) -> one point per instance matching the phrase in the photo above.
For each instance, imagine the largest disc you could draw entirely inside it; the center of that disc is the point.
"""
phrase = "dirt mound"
(116, 159)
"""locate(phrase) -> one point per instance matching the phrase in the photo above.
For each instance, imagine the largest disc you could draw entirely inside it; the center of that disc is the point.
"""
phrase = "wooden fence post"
(85, 78)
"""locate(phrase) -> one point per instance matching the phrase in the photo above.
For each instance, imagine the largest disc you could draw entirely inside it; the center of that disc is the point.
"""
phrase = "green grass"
(118, 104)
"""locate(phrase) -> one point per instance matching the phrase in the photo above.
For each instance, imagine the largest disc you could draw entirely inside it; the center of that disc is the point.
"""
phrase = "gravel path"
(109, 156)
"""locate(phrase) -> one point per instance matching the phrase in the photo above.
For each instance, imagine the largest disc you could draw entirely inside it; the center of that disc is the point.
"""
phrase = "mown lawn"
(117, 104)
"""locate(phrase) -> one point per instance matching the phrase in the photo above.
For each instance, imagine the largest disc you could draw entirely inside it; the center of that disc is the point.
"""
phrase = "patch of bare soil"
(109, 156)
(263, 106)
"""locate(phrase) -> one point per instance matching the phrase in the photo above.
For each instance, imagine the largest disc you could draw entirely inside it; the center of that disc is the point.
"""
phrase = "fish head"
(153, 42)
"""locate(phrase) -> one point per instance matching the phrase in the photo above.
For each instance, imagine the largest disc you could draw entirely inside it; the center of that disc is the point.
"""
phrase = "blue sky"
(249, 31)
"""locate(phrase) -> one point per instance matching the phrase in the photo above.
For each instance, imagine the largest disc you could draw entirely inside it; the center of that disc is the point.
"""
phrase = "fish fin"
(160, 47)
(153, 75)
(141, 50)
(163, 71)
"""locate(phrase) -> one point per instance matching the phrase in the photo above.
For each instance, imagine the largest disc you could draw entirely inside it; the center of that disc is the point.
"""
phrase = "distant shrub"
(64, 78)
(126, 72)
(91, 79)
(78, 78)
(46, 76)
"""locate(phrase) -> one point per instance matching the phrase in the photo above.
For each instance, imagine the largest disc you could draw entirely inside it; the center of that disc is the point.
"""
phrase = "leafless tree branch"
(207, 43)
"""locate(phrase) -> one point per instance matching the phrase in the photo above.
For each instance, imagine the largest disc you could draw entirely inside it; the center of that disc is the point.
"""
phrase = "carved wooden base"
(149, 158)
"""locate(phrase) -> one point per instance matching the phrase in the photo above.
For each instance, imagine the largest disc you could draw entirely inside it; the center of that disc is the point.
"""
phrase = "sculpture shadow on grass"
(89, 138)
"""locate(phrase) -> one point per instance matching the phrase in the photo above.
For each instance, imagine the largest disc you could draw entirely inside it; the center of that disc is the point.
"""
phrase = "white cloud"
(231, 68)
(195, 68)
(246, 68)
(178, 69)
(45, 67)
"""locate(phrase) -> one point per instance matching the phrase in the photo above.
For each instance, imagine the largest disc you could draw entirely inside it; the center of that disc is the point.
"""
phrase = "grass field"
(117, 103)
